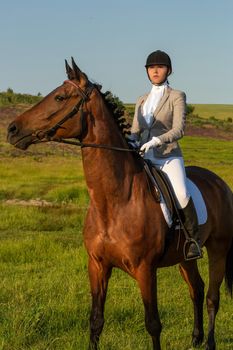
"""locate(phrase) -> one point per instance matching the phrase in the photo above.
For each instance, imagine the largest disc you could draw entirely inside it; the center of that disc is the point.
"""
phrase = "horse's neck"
(108, 173)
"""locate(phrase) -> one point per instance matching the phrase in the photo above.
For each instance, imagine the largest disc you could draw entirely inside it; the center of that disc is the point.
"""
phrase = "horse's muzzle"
(18, 138)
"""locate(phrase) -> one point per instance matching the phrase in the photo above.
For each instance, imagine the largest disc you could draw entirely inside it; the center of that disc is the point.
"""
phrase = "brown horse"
(125, 227)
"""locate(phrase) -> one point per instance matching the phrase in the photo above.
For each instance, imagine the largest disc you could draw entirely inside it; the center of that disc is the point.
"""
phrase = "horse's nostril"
(12, 129)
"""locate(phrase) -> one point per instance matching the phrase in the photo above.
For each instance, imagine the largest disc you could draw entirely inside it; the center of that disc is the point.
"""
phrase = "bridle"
(78, 108)
(85, 96)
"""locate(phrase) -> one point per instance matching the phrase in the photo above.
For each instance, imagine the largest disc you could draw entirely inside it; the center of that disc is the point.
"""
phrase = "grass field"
(218, 111)
(44, 289)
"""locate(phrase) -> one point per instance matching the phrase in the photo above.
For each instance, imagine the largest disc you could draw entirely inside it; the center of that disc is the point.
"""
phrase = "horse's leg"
(217, 262)
(147, 282)
(190, 274)
(99, 275)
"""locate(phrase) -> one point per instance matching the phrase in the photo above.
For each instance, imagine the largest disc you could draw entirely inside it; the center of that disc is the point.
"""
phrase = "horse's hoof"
(210, 347)
(93, 346)
(197, 341)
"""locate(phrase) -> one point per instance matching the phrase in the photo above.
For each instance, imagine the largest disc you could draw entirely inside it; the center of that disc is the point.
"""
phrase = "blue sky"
(110, 41)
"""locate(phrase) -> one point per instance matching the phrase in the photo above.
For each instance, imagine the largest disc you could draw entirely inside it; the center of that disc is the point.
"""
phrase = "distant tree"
(189, 109)
(10, 98)
(10, 91)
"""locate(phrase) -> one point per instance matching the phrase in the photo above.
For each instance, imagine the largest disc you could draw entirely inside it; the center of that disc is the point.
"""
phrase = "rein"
(95, 145)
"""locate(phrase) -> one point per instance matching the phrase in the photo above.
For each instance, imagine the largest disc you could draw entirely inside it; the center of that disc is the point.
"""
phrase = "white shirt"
(149, 107)
(152, 101)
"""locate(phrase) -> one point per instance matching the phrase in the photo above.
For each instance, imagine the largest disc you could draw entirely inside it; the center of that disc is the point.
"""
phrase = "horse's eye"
(59, 98)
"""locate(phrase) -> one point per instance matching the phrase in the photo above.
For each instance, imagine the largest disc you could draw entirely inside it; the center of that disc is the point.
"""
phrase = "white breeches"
(174, 168)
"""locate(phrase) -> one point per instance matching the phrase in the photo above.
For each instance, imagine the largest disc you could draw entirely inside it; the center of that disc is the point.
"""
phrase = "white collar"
(157, 87)
(152, 101)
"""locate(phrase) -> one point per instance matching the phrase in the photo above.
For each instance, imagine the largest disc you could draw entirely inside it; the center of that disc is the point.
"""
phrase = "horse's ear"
(69, 71)
(77, 71)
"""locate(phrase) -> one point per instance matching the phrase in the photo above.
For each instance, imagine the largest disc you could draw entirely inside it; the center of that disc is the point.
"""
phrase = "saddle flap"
(162, 185)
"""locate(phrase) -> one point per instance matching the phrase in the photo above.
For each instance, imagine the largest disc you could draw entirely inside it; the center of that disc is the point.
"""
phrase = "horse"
(124, 226)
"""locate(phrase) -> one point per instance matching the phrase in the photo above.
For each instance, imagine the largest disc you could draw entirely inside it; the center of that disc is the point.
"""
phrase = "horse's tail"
(229, 270)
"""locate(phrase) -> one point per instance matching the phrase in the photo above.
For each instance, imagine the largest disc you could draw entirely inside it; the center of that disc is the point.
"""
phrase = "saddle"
(161, 187)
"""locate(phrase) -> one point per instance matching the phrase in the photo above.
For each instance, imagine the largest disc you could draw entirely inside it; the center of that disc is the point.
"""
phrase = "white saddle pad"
(198, 202)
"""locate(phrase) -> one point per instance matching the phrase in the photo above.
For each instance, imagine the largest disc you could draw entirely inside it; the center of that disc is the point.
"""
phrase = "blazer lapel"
(160, 105)
(162, 101)
(140, 114)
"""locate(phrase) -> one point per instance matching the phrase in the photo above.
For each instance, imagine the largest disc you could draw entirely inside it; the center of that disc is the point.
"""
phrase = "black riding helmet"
(159, 57)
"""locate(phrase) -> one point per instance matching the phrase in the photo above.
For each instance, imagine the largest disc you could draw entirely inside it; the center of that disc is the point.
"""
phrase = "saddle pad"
(198, 202)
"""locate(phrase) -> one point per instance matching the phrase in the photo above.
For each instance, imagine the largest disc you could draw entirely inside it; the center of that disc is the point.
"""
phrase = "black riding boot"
(190, 222)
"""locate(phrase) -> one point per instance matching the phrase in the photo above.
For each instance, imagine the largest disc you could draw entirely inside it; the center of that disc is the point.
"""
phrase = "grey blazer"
(168, 124)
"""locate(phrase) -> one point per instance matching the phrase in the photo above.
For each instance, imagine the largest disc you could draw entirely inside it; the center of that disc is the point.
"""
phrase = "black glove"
(133, 144)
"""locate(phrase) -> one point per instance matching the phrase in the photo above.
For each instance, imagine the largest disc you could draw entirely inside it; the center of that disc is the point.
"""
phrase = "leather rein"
(78, 108)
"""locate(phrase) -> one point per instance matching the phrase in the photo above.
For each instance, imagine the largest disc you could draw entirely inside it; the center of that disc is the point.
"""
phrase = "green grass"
(50, 179)
(215, 155)
(44, 288)
(10, 98)
(219, 111)
(45, 301)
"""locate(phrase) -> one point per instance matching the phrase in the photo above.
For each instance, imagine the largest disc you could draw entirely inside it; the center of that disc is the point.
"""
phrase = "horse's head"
(58, 115)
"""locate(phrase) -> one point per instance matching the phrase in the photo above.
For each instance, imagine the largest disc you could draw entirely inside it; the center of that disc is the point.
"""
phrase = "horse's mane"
(117, 108)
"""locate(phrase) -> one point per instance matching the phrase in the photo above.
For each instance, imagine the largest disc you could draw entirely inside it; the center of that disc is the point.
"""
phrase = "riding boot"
(190, 222)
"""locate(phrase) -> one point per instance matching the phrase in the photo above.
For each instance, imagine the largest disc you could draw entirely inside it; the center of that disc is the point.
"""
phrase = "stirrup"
(188, 242)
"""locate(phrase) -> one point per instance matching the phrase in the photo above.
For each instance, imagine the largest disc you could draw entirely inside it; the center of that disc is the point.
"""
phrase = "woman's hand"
(154, 142)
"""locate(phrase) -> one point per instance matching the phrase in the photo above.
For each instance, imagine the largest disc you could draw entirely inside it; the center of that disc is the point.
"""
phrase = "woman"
(158, 123)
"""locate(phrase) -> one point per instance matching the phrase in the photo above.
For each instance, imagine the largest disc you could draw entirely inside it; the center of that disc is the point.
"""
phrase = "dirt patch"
(7, 114)
(208, 131)
(30, 202)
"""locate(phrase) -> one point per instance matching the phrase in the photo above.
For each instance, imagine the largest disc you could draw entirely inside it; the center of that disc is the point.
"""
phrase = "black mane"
(116, 106)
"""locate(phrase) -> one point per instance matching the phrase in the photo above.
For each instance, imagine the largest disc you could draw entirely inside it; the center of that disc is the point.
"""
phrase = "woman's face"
(157, 73)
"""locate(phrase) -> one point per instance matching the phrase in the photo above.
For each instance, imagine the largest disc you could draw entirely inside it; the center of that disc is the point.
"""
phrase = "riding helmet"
(159, 57)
